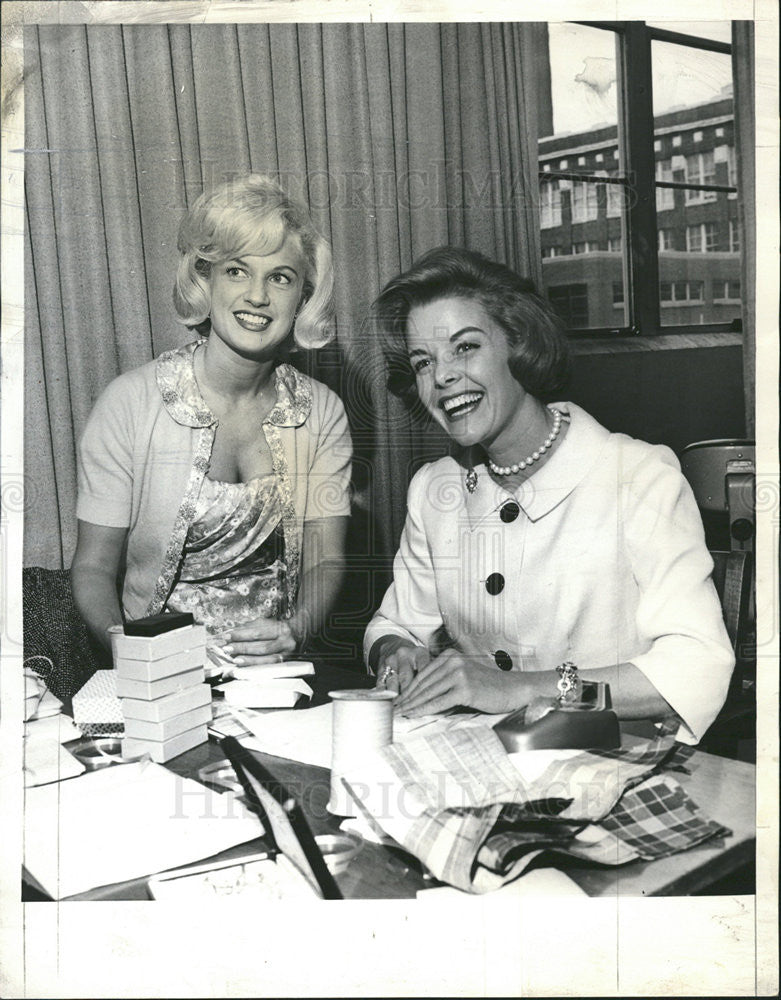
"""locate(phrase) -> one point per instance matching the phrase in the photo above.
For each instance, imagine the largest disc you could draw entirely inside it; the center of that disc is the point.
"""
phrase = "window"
(734, 236)
(550, 204)
(700, 169)
(583, 201)
(662, 223)
(614, 200)
(701, 238)
(726, 291)
(665, 197)
(571, 303)
(681, 292)
(551, 251)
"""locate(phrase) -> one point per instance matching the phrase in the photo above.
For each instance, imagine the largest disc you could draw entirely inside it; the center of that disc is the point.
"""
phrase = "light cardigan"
(146, 449)
(604, 563)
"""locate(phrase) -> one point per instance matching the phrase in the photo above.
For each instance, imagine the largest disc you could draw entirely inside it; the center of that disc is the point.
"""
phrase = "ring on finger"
(387, 673)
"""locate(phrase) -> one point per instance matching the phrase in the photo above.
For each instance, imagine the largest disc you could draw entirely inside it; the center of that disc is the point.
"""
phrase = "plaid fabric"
(477, 817)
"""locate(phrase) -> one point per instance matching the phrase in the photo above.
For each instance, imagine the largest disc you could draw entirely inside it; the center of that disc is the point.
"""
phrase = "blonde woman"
(215, 479)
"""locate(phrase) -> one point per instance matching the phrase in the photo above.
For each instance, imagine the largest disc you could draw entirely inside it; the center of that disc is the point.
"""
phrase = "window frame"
(635, 137)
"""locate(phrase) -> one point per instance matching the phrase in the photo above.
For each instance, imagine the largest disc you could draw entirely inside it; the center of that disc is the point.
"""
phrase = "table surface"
(723, 788)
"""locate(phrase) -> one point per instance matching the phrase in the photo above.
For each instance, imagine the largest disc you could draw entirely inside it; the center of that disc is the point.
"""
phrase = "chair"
(721, 473)
(733, 733)
(53, 630)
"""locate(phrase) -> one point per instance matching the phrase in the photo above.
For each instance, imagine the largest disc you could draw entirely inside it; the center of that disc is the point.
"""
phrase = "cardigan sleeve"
(105, 458)
(328, 482)
(689, 658)
(410, 608)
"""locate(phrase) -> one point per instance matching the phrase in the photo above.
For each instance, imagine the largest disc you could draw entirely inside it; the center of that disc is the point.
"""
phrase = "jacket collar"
(546, 489)
(182, 398)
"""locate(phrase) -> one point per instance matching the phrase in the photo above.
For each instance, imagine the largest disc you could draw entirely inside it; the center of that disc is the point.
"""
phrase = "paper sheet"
(305, 735)
(45, 759)
(85, 833)
(538, 882)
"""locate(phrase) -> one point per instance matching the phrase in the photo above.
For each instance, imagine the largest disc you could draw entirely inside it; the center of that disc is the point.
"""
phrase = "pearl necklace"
(511, 470)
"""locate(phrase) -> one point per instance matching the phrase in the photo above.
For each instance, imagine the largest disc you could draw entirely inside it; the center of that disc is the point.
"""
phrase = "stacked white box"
(166, 704)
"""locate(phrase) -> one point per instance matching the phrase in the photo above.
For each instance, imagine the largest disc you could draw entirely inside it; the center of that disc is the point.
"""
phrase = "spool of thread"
(362, 721)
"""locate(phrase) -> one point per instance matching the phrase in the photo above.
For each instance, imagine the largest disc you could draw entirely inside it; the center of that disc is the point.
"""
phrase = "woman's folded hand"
(263, 640)
(398, 668)
(454, 680)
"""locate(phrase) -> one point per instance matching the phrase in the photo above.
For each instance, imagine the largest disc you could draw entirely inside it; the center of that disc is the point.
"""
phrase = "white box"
(161, 752)
(140, 729)
(150, 690)
(169, 706)
(154, 670)
(155, 647)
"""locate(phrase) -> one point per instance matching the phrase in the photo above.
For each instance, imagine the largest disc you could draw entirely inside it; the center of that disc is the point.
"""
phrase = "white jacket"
(604, 563)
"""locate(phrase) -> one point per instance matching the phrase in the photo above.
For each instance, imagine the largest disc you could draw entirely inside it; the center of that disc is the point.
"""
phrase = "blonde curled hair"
(252, 214)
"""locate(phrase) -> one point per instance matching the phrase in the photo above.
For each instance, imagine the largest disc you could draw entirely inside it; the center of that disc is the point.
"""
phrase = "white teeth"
(249, 319)
(464, 399)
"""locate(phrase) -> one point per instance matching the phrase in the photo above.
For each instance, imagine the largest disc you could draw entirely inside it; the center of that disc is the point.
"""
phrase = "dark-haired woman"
(549, 550)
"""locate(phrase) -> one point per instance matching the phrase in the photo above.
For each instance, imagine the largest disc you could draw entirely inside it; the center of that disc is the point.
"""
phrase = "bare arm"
(94, 577)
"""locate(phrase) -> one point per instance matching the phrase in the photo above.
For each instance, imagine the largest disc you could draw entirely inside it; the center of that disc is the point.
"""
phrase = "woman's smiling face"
(254, 299)
(460, 359)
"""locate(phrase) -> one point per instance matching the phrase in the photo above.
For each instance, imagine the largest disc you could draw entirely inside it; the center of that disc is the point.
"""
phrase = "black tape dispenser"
(585, 723)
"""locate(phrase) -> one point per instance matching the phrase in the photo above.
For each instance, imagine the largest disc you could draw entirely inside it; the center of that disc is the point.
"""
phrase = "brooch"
(471, 480)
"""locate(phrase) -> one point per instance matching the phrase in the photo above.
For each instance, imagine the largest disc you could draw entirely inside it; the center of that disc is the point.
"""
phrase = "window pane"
(699, 238)
(717, 31)
(582, 220)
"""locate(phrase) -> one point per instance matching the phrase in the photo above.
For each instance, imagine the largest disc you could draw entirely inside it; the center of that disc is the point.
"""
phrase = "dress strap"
(289, 526)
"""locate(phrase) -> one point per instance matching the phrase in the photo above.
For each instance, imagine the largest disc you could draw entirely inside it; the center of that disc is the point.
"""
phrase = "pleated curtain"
(399, 137)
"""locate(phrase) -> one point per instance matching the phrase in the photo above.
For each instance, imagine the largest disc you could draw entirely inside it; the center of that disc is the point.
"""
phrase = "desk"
(723, 788)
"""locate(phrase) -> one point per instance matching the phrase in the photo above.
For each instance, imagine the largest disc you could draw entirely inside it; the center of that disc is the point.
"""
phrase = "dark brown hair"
(539, 350)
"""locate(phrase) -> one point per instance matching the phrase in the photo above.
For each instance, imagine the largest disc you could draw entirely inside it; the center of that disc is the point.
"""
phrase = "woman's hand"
(263, 640)
(397, 669)
(454, 680)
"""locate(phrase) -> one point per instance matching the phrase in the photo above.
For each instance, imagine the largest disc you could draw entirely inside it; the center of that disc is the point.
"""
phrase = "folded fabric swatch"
(476, 817)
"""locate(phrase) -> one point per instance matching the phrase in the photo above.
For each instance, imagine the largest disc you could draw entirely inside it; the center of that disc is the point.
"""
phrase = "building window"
(734, 236)
(701, 238)
(681, 293)
(665, 197)
(551, 251)
(615, 199)
(726, 291)
(659, 121)
(550, 204)
(584, 201)
(719, 131)
(700, 169)
(618, 294)
(571, 303)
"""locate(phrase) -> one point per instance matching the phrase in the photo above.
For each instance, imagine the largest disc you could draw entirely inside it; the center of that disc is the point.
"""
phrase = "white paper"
(45, 759)
(280, 693)
(271, 671)
(305, 735)
(85, 833)
(538, 882)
